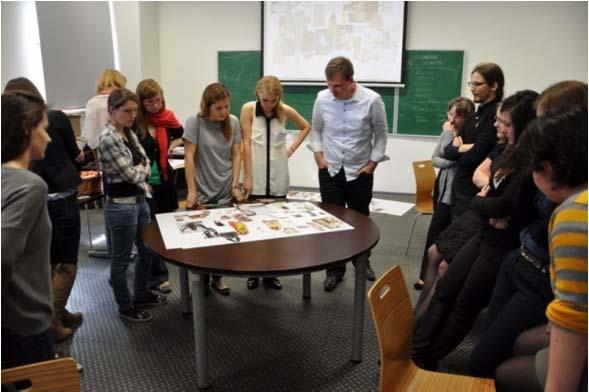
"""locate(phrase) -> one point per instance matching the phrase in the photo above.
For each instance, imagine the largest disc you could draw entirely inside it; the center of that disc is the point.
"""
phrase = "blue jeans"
(126, 223)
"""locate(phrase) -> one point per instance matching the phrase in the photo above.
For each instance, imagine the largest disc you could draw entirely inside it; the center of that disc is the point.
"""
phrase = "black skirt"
(460, 231)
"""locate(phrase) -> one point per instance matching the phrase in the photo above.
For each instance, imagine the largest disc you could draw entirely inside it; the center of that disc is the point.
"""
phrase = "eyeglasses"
(475, 84)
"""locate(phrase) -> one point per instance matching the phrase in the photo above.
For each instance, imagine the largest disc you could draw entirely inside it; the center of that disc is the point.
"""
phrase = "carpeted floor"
(258, 340)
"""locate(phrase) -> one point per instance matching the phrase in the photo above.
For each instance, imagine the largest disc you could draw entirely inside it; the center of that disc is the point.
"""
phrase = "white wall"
(21, 50)
(191, 34)
(535, 43)
(128, 27)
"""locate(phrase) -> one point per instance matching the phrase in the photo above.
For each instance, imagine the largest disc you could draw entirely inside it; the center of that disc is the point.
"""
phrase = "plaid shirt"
(117, 161)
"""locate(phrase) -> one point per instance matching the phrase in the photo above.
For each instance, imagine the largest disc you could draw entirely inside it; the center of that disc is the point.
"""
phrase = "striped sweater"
(568, 264)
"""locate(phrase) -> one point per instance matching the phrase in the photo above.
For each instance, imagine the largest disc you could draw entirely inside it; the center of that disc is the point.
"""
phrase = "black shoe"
(221, 290)
(252, 283)
(418, 285)
(135, 315)
(370, 275)
(330, 283)
(272, 283)
(151, 299)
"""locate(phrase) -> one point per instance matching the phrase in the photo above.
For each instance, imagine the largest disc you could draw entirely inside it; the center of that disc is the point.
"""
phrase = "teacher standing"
(348, 139)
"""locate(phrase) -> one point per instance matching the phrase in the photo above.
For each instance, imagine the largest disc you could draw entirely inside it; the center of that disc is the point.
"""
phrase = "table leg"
(306, 286)
(359, 301)
(200, 341)
(102, 253)
(184, 291)
(88, 226)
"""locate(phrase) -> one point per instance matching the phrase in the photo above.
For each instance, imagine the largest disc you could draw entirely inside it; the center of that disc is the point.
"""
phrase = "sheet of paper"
(176, 164)
(245, 223)
(178, 151)
(379, 206)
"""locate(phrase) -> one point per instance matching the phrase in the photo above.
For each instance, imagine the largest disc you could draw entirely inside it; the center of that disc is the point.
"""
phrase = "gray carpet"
(258, 340)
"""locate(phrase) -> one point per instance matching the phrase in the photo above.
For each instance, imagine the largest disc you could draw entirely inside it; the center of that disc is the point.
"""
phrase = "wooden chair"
(425, 179)
(393, 317)
(58, 375)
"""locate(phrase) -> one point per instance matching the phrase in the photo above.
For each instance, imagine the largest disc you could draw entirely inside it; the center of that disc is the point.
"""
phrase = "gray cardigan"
(27, 305)
(447, 168)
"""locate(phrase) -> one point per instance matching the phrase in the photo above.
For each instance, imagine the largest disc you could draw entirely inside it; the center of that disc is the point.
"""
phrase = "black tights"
(518, 373)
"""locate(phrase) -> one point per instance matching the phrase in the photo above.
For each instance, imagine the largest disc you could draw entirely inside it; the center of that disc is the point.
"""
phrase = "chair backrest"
(58, 375)
(425, 179)
(393, 315)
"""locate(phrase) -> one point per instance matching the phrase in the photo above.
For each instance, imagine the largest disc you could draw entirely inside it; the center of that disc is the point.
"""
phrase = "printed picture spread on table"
(244, 223)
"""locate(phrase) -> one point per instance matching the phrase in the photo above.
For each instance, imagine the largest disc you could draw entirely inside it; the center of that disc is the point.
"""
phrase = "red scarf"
(161, 121)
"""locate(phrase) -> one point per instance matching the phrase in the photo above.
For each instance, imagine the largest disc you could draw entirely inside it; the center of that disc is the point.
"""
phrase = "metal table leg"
(306, 286)
(200, 341)
(359, 301)
(184, 291)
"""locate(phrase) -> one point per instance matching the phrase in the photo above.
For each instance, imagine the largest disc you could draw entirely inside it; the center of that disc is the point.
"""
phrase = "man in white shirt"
(348, 138)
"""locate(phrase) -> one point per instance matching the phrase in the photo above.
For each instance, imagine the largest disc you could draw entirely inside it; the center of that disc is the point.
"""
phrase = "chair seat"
(424, 380)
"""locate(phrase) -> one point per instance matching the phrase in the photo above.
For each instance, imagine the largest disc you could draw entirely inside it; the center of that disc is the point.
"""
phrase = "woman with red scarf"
(159, 132)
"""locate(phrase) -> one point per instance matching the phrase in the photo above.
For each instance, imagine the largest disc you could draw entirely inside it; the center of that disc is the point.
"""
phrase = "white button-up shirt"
(349, 132)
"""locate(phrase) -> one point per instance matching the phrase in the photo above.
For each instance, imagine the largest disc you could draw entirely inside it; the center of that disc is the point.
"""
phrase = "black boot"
(425, 336)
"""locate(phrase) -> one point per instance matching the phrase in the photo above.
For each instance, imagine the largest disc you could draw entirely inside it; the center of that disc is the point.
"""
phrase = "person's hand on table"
(191, 200)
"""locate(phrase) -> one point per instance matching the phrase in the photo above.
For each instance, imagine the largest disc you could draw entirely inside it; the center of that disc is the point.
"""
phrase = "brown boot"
(60, 333)
(61, 288)
(70, 319)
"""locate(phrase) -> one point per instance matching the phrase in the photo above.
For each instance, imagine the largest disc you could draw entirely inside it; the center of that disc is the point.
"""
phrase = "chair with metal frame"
(425, 179)
(393, 317)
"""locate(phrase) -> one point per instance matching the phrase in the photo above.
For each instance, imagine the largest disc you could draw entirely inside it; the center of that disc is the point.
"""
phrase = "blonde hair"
(147, 89)
(110, 78)
(212, 94)
(272, 85)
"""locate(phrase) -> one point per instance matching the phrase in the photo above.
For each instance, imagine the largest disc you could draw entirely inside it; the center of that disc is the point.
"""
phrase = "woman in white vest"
(265, 147)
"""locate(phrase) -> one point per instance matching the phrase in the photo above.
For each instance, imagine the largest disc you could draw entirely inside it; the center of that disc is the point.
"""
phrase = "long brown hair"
(147, 89)
(214, 93)
(272, 85)
(21, 113)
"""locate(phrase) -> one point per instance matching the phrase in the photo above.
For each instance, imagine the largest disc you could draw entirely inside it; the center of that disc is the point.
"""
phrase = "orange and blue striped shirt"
(568, 264)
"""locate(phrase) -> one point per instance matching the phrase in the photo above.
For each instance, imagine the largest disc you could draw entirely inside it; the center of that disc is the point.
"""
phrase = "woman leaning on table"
(265, 149)
(126, 170)
(212, 145)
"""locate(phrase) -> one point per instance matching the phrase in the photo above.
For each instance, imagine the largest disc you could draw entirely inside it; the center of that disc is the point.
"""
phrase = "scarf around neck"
(161, 121)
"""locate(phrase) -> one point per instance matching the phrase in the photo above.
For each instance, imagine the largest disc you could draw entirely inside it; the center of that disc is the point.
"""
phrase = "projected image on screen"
(299, 38)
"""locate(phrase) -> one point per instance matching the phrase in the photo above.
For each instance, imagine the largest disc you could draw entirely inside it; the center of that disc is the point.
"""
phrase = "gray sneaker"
(135, 315)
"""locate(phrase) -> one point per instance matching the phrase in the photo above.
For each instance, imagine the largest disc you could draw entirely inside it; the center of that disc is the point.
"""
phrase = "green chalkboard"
(431, 79)
(240, 70)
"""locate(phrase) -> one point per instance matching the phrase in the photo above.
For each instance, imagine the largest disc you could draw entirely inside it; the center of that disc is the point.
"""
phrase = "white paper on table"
(178, 150)
(379, 206)
(184, 229)
(176, 164)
